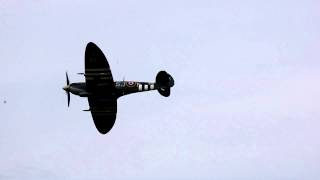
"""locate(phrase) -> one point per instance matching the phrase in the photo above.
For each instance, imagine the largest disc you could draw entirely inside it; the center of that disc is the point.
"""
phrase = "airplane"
(102, 91)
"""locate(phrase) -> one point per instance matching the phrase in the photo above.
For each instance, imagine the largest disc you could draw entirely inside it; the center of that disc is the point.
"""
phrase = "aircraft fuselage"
(121, 88)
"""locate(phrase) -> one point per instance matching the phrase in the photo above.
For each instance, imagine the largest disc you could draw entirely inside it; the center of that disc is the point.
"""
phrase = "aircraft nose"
(66, 88)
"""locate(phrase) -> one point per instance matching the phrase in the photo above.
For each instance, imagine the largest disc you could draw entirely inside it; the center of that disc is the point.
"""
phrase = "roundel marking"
(131, 83)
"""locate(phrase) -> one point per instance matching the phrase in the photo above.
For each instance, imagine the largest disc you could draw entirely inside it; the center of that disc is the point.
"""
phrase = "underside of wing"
(98, 75)
(100, 86)
(104, 112)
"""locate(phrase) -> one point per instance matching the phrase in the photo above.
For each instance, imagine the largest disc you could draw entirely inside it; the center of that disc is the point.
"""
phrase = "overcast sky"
(245, 104)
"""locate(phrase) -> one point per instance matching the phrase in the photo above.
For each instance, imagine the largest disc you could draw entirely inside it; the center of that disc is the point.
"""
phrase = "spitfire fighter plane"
(102, 91)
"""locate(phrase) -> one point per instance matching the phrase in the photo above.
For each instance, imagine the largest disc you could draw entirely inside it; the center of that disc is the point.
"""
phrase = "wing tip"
(104, 130)
(91, 45)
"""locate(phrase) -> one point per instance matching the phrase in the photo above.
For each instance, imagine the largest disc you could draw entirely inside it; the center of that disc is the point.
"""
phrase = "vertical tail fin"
(164, 82)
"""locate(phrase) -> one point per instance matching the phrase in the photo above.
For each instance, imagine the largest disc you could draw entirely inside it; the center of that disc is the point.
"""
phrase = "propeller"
(66, 88)
(67, 78)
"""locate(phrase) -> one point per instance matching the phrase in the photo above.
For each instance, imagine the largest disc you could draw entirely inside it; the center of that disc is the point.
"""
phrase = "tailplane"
(164, 82)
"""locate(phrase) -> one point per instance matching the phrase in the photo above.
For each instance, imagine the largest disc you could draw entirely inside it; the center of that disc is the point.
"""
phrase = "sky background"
(245, 104)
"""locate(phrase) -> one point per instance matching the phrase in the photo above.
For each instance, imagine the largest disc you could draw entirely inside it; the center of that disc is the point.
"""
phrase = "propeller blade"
(68, 98)
(66, 88)
(67, 78)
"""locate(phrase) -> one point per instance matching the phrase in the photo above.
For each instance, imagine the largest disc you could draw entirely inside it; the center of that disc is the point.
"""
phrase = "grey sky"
(245, 103)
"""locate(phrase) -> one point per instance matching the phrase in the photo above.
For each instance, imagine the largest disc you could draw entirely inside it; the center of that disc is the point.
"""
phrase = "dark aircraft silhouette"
(103, 92)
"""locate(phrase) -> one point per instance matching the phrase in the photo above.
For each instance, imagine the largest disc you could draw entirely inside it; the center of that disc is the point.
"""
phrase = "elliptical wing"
(100, 85)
